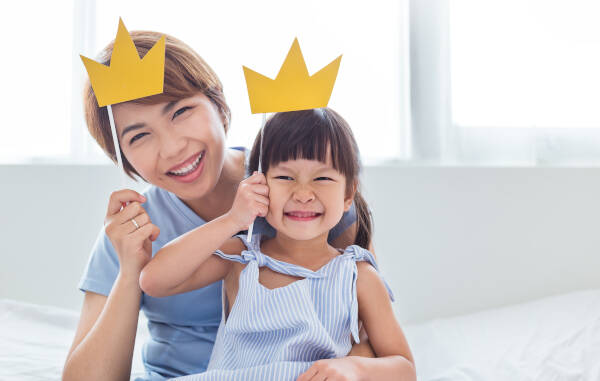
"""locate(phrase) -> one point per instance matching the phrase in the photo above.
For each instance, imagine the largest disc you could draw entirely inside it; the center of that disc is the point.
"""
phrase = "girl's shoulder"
(233, 246)
(360, 254)
(367, 271)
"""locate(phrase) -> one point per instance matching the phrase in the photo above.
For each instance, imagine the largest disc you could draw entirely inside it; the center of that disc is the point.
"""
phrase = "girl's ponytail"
(364, 223)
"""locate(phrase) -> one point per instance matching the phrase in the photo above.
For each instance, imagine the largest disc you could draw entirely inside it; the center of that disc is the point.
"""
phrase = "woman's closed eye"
(180, 111)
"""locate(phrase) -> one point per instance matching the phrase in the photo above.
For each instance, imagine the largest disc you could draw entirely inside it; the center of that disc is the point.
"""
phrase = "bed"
(554, 338)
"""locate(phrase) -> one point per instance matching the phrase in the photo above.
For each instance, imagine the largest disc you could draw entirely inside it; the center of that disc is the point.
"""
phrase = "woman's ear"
(350, 197)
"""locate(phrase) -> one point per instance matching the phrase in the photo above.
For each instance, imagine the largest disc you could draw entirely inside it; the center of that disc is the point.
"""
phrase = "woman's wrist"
(129, 278)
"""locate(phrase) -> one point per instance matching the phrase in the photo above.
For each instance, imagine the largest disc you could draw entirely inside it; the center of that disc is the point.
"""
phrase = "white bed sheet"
(551, 339)
(35, 339)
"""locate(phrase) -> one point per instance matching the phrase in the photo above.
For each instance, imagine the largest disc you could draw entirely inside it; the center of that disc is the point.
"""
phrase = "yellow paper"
(128, 77)
(293, 89)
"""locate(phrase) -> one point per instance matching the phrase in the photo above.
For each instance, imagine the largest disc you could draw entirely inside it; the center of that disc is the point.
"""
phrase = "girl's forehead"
(304, 165)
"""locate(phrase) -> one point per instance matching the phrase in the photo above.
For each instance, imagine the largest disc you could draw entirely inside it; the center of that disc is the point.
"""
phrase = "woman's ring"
(135, 223)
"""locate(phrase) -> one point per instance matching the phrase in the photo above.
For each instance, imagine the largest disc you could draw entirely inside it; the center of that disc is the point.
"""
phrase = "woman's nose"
(171, 146)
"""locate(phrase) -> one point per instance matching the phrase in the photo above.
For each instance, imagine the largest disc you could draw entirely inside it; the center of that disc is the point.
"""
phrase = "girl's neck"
(311, 254)
(219, 200)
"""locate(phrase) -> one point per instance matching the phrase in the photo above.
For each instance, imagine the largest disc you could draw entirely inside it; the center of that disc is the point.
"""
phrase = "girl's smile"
(298, 215)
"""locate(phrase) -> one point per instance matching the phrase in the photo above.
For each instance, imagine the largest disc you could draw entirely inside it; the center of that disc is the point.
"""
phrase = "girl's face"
(178, 146)
(306, 198)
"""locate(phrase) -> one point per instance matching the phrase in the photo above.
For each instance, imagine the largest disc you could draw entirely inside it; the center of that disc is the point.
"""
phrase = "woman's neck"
(311, 254)
(219, 200)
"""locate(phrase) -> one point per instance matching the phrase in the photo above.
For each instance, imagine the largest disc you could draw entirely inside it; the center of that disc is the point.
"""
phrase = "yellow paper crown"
(128, 77)
(293, 89)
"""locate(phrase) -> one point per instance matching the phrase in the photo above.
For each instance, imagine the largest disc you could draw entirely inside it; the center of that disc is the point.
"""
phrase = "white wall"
(450, 240)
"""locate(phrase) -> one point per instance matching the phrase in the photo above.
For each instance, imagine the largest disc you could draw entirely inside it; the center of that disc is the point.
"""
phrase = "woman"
(176, 142)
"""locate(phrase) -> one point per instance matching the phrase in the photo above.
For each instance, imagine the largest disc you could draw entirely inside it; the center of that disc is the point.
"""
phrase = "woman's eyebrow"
(168, 107)
(137, 126)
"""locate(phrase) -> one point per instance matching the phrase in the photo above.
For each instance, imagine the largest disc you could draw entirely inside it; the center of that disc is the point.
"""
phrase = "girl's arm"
(187, 263)
(394, 360)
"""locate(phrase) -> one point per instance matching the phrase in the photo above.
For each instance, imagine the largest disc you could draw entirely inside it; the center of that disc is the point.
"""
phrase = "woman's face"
(178, 146)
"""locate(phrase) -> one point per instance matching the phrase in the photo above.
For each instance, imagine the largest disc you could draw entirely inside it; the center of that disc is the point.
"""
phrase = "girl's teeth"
(305, 214)
(189, 168)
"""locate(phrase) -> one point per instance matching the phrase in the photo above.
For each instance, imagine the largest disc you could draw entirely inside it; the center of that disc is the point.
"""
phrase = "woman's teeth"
(184, 171)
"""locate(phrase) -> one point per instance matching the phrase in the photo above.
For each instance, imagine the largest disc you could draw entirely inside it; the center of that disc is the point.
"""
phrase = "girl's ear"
(350, 197)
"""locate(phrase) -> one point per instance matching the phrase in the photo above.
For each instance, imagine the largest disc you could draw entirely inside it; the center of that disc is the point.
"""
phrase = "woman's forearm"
(106, 351)
(395, 368)
(175, 262)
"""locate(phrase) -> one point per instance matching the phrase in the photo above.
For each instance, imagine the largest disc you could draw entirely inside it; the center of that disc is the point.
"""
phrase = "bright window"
(44, 76)
(532, 63)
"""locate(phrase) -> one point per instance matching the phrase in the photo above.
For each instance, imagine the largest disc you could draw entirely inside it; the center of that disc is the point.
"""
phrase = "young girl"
(293, 299)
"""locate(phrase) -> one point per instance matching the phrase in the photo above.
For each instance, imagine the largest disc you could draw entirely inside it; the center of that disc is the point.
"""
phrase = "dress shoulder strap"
(357, 253)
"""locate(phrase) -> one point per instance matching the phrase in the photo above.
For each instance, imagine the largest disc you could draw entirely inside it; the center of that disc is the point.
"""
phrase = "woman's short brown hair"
(186, 75)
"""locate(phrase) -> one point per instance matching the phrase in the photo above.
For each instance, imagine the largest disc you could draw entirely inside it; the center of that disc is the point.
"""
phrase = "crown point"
(293, 89)
(128, 76)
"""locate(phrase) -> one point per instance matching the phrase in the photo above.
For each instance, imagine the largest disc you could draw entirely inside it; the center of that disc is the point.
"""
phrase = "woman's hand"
(340, 369)
(132, 243)
(251, 200)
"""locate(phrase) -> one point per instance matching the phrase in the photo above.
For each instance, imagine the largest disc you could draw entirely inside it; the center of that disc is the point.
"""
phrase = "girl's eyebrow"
(135, 126)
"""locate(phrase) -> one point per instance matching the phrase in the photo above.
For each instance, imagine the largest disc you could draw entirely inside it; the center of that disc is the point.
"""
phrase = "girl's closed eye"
(324, 178)
(282, 177)
(137, 137)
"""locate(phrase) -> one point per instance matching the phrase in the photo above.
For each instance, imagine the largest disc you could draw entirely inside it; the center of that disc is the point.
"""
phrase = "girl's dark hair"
(308, 134)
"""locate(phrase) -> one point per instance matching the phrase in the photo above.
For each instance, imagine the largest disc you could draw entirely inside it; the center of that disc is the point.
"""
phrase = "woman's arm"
(103, 345)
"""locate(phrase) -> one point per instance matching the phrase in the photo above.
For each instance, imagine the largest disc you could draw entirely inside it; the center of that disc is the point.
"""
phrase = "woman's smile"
(189, 170)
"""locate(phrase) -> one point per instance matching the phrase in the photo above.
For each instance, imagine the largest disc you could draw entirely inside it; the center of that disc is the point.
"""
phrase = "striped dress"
(276, 334)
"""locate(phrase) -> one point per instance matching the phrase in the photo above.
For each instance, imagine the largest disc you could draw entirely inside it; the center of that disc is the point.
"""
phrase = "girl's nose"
(303, 194)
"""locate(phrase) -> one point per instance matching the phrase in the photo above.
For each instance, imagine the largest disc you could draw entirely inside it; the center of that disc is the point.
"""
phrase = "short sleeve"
(102, 267)
(348, 218)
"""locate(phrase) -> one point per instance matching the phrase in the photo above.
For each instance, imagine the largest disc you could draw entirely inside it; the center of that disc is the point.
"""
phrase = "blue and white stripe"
(276, 334)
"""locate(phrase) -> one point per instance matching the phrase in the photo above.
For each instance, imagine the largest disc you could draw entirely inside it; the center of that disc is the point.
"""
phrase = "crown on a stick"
(128, 77)
(293, 89)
